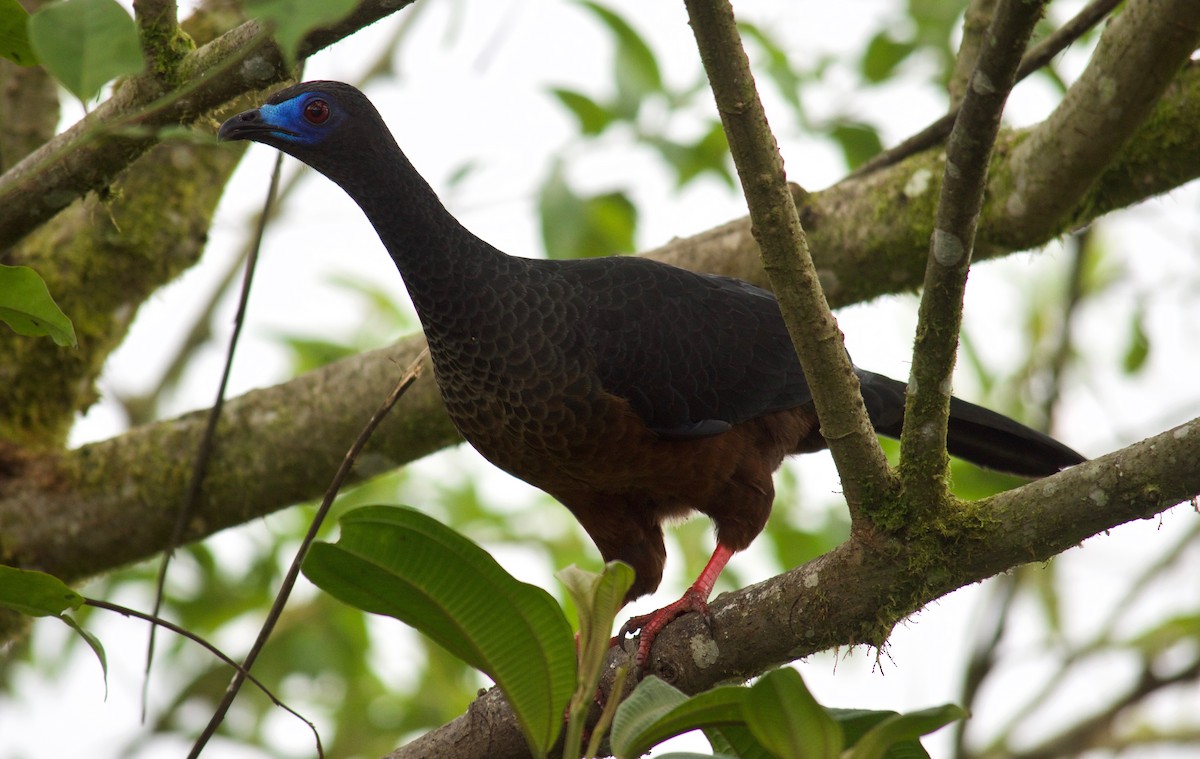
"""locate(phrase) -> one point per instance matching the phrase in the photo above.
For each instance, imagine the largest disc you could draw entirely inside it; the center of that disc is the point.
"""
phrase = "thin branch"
(786, 259)
(293, 573)
(992, 622)
(157, 621)
(976, 21)
(1097, 730)
(1080, 246)
(186, 509)
(923, 458)
(1038, 56)
(1104, 637)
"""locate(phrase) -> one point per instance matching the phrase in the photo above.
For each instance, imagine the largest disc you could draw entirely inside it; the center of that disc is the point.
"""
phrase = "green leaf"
(14, 34)
(904, 729)
(636, 69)
(93, 643)
(857, 141)
(291, 20)
(736, 740)
(36, 594)
(26, 306)
(576, 226)
(855, 723)
(598, 598)
(785, 718)
(656, 711)
(1167, 633)
(1138, 349)
(593, 118)
(709, 153)
(399, 562)
(651, 700)
(86, 43)
(882, 56)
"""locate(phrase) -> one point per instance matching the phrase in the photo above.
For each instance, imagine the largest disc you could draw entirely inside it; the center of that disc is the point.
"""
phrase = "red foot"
(650, 625)
(694, 599)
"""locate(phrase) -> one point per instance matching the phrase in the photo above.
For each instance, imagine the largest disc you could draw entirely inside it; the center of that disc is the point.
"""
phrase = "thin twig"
(204, 454)
(289, 580)
(183, 631)
(1080, 244)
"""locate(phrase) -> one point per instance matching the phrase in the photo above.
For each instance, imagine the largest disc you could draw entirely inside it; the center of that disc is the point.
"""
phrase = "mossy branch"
(856, 594)
(923, 459)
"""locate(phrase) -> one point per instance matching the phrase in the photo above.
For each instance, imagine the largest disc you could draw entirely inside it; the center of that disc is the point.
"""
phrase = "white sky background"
(474, 88)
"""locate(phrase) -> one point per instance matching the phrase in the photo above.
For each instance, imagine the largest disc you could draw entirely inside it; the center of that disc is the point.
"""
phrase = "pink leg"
(694, 598)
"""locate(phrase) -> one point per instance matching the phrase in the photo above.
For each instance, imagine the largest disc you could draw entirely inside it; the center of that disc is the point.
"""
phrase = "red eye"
(316, 111)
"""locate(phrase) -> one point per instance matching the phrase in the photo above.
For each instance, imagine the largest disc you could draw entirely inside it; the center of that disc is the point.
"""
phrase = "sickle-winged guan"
(630, 390)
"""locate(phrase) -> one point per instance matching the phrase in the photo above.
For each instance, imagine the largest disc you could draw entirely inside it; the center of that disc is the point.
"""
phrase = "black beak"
(248, 125)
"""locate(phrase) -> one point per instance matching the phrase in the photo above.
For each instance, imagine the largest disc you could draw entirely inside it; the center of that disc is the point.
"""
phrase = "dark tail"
(983, 437)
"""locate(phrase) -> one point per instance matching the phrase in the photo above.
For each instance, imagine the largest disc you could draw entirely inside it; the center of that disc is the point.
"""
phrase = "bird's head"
(328, 125)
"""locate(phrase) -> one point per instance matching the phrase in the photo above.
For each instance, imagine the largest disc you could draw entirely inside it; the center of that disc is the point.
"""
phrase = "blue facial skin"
(288, 118)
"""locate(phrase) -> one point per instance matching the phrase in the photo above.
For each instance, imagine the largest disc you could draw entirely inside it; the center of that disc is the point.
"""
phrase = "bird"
(632, 391)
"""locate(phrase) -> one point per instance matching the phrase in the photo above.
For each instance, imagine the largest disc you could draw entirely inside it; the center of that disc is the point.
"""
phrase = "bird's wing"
(692, 353)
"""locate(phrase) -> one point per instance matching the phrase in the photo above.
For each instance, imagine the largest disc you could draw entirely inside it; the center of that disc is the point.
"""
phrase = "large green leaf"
(35, 593)
(291, 20)
(785, 718)
(86, 43)
(14, 34)
(26, 306)
(399, 562)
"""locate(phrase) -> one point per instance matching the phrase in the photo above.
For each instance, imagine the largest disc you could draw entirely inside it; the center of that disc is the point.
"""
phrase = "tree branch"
(923, 459)
(851, 240)
(1140, 54)
(857, 593)
(89, 154)
(120, 493)
(776, 228)
(1037, 57)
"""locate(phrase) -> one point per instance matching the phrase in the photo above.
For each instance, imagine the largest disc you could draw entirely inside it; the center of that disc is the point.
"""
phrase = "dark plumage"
(630, 390)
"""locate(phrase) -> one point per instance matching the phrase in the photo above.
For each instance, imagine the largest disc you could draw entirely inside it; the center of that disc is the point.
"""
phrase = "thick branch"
(1141, 52)
(273, 448)
(776, 227)
(923, 459)
(857, 593)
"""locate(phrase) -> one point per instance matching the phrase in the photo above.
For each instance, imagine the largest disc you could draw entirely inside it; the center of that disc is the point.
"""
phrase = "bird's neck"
(437, 256)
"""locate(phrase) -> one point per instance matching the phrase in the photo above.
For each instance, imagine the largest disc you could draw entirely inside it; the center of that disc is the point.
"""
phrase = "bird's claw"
(648, 626)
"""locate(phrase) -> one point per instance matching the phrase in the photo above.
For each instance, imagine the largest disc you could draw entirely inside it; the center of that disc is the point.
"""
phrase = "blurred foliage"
(370, 686)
